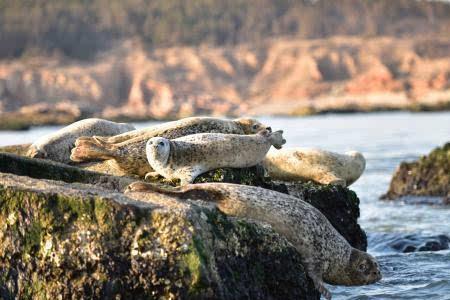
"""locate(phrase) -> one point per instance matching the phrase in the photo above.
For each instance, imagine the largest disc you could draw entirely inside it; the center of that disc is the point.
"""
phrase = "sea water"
(385, 139)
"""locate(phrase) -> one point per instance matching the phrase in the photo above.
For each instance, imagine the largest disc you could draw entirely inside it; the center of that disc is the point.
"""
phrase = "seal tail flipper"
(87, 149)
(277, 140)
(330, 178)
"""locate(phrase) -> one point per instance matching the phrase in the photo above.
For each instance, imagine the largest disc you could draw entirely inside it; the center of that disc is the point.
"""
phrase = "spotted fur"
(326, 255)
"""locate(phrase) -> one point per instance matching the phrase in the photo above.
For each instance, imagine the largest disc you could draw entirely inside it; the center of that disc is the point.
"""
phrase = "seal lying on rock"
(187, 126)
(128, 149)
(187, 157)
(325, 167)
(57, 146)
(327, 256)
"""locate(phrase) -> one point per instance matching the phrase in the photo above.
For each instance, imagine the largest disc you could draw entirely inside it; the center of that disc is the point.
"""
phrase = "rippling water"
(385, 139)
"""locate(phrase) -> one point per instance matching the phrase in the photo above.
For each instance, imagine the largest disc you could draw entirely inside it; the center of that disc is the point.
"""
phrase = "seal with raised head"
(57, 146)
(304, 164)
(187, 157)
(128, 150)
(326, 255)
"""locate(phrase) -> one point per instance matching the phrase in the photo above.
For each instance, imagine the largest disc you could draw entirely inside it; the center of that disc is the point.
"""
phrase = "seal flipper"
(330, 178)
(316, 277)
(87, 149)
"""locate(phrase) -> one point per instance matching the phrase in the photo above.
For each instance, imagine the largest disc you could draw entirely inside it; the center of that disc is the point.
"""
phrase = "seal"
(304, 164)
(187, 126)
(187, 157)
(57, 146)
(326, 255)
(128, 150)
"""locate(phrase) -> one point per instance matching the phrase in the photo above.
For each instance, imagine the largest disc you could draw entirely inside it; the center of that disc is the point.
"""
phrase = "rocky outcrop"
(427, 177)
(406, 243)
(281, 76)
(65, 231)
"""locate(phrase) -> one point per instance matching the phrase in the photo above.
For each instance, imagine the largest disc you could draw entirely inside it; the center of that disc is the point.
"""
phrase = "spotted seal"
(325, 167)
(57, 146)
(187, 157)
(325, 254)
(128, 150)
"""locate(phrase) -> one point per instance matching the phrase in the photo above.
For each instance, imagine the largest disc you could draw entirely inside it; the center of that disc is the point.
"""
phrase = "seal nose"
(269, 129)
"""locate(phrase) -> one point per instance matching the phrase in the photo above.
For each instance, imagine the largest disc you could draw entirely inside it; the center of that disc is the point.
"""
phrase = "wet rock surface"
(69, 232)
(410, 242)
(429, 177)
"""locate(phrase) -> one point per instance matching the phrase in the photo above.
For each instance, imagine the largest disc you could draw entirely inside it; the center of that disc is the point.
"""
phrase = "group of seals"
(57, 146)
(326, 255)
(129, 149)
(187, 157)
(324, 167)
(189, 147)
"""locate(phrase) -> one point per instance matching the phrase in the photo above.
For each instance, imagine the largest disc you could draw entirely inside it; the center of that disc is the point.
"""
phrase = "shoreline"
(21, 121)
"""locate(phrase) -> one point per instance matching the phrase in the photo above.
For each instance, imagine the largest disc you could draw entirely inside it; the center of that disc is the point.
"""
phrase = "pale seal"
(187, 157)
(326, 255)
(304, 164)
(128, 149)
(58, 145)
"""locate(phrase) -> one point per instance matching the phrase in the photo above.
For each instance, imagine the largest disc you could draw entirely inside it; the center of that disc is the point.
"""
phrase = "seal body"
(187, 157)
(128, 149)
(57, 146)
(326, 255)
(304, 164)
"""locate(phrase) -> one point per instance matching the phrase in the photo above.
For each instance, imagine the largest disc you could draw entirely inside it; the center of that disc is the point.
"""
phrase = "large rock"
(427, 177)
(68, 232)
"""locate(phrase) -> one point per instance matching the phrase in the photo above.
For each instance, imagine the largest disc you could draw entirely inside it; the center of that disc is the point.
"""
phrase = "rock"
(427, 177)
(79, 241)
(409, 243)
(65, 231)
(46, 169)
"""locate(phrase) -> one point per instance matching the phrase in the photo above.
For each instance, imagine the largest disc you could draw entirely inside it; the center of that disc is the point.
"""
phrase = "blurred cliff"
(162, 59)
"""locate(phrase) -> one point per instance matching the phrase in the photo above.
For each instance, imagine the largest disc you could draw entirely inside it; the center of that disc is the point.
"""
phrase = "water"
(385, 139)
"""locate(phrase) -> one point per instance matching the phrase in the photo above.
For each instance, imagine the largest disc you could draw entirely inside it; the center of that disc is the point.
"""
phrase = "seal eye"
(161, 144)
(254, 127)
(362, 267)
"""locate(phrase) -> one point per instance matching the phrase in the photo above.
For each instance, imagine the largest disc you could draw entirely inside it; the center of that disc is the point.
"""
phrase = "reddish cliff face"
(277, 77)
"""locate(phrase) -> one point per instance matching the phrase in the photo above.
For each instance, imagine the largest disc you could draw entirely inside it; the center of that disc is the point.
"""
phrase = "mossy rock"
(339, 205)
(428, 176)
(81, 241)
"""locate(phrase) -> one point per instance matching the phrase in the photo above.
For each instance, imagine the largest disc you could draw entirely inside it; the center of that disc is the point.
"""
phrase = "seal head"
(363, 268)
(251, 126)
(158, 149)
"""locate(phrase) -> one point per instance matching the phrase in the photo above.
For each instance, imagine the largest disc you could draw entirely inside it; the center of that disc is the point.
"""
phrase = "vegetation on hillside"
(81, 28)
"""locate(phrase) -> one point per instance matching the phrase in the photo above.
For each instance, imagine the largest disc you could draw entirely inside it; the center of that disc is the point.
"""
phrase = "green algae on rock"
(59, 240)
(46, 169)
(428, 176)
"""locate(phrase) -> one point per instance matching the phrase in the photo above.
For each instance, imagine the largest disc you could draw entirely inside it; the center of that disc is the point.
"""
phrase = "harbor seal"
(57, 146)
(187, 126)
(128, 150)
(304, 164)
(326, 255)
(187, 157)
